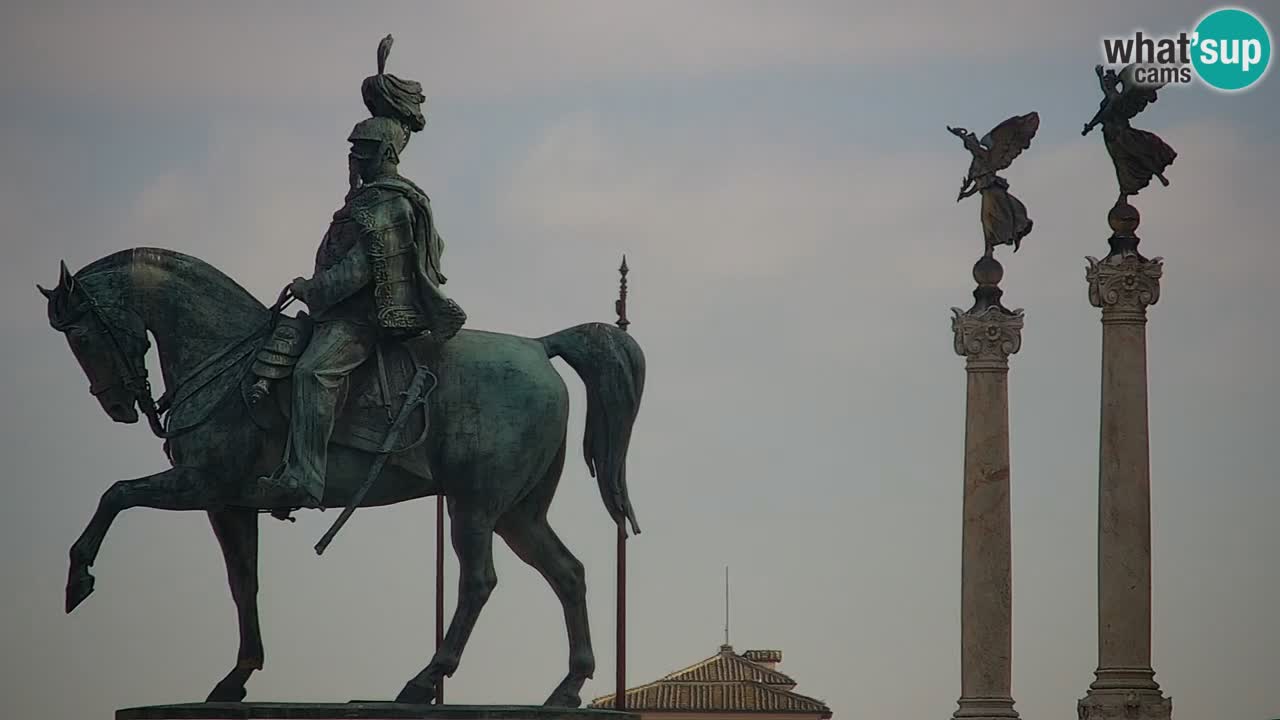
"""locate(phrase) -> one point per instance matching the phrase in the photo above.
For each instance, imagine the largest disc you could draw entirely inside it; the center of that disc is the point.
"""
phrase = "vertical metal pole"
(726, 605)
(620, 699)
(440, 587)
(620, 695)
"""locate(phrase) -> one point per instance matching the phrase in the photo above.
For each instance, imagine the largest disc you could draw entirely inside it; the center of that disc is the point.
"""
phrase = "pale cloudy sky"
(780, 178)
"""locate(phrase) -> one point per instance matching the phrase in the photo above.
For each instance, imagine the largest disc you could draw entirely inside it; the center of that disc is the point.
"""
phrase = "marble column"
(1123, 284)
(986, 335)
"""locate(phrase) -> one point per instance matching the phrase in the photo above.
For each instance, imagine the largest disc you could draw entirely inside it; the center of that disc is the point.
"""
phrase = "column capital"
(1123, 285)
(986, 337)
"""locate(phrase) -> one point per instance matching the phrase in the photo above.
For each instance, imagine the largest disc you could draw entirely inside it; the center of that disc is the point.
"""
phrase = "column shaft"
(986, 610)
(1124, 500)
(986, 336)
(1124, 284)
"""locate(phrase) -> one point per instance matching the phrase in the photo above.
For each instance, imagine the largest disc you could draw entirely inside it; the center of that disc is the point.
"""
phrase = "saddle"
(370, 402)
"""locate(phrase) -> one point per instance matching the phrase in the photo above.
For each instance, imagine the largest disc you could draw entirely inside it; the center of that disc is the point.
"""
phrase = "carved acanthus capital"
(987, 337)
(1123, 285)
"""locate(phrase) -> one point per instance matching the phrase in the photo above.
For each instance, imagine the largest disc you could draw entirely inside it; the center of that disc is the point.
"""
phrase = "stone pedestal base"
(361, 711)
(987, 708)
(1125, 705)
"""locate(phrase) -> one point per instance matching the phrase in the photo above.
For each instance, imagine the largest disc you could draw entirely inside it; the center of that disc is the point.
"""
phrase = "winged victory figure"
(1004, 217)
(1138, 155)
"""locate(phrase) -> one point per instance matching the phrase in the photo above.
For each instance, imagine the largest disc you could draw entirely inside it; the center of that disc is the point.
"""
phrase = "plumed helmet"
(388, 96)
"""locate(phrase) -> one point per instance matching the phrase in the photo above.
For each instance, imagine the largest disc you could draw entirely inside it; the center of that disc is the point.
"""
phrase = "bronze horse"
(495, 450)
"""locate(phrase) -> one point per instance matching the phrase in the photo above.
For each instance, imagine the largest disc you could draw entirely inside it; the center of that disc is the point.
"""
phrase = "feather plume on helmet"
(394, 103)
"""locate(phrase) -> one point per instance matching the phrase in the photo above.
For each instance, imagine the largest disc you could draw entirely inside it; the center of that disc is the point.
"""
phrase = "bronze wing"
(1134, 97)
(1007, 140)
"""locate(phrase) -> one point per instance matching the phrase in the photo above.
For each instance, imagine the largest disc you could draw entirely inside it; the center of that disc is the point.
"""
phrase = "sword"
(414, 396)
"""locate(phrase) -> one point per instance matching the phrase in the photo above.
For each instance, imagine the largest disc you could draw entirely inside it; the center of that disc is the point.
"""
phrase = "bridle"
(133, 376)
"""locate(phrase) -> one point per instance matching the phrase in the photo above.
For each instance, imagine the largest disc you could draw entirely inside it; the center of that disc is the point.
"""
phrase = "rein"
(136, 382)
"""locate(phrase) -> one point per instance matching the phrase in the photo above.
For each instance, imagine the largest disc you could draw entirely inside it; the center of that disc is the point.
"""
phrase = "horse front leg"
(473, 544)
(237, 532)
(179, 488)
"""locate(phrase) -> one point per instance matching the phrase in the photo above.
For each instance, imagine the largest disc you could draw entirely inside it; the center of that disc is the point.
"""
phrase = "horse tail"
(611, 365)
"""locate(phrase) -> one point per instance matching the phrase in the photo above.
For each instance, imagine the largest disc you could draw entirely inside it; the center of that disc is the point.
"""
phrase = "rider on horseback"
(377, 277)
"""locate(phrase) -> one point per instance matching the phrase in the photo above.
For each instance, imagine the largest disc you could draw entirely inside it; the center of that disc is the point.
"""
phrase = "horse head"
(108, 340)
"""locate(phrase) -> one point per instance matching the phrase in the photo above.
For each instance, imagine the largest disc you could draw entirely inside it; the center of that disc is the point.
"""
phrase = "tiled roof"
(725, 682)
(664, 696)
(726, 667)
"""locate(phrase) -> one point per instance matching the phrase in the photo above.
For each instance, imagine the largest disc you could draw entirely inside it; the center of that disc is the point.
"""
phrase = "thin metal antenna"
(726, 605)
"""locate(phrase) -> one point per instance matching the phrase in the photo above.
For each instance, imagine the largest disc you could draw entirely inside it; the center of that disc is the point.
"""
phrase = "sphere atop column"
(1123, 218)
(988, 271)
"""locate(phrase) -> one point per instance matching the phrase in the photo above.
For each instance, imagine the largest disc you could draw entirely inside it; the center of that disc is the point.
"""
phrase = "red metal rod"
(620, 698)
(440, 587)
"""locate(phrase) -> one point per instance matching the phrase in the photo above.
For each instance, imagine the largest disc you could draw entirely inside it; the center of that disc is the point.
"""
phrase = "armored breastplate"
(394, 260)
(342, 235)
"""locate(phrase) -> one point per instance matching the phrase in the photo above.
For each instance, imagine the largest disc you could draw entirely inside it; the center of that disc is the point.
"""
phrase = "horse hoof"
(78, 588)
(229, 693)
(413, 694)
(563, 700)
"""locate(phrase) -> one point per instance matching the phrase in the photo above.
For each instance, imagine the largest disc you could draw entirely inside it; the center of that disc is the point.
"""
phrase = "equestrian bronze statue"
(377, 395)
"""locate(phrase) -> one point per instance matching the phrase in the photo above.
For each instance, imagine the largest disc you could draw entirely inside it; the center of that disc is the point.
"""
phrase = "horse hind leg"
(472, 536)
(237, 533)
(526, 530)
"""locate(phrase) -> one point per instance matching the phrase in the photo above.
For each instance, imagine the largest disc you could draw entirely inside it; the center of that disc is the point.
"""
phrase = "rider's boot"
(286, 489)
(299, 481)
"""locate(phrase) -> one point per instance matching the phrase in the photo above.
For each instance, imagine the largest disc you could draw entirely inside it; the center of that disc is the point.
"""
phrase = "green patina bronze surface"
(268, 413)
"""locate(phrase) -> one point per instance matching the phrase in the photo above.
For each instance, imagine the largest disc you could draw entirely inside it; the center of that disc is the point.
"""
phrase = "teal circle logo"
(1231, 49)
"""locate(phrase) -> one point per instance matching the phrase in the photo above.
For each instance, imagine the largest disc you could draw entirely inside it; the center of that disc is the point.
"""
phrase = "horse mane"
(174, 262)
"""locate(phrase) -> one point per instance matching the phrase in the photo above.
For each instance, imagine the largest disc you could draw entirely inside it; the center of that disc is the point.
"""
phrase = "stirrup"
(295, 495)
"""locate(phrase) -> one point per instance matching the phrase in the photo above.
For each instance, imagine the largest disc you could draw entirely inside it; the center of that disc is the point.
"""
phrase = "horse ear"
(45, 292)
(66, 281)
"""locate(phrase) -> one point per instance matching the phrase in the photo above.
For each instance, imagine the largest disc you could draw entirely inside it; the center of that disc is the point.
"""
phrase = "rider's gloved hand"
(299, 288)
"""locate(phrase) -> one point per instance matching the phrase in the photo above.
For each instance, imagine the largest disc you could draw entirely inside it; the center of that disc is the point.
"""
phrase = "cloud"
(34, 206)
(290, 52)
(254, 205)
(720, 203)
(750, 235)
(733, 203)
